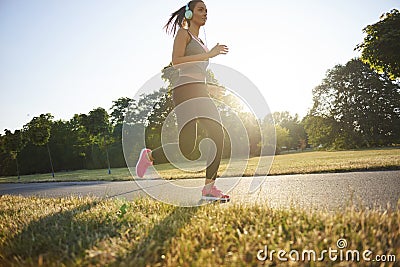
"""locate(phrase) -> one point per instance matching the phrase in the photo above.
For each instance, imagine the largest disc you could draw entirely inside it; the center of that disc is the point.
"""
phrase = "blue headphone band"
(188, 12)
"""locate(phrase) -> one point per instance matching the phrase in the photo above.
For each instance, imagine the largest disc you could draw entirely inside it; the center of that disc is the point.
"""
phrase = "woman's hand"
(217, 50)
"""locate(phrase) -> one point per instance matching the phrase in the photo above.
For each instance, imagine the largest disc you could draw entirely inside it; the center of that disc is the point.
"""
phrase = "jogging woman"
(190, 56)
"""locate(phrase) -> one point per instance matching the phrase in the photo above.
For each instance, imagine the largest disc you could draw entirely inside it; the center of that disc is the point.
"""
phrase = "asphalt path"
(330, 191)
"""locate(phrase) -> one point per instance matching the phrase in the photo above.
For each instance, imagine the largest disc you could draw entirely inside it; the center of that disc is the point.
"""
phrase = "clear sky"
(72, 56)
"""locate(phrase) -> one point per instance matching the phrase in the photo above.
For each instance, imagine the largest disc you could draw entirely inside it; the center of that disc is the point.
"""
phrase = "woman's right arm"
(182, 38)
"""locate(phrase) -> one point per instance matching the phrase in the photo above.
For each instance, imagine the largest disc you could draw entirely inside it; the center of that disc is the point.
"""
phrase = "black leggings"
(188, 134)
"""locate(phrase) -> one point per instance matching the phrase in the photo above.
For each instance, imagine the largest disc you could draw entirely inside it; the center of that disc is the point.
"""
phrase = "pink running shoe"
(143, 162)
(214, 194)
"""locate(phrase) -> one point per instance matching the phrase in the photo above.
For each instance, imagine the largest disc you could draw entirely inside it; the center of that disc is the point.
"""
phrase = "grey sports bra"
(191, 72)
(195, 46)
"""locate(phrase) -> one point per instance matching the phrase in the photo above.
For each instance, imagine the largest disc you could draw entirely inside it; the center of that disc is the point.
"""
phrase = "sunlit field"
(294, 163)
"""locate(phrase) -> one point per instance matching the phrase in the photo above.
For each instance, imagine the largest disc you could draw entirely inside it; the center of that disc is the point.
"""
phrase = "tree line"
(356, 105)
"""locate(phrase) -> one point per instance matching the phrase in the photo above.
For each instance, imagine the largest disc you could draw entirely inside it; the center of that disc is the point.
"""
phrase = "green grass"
(93, 232)
(337, 161)
(296, 163)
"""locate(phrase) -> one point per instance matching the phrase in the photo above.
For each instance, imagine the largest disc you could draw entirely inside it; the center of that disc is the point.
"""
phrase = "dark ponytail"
(178, 18)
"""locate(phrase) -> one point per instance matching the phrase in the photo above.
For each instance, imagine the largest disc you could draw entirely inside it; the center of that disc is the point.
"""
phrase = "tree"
(38, 131)
(269, 136)
(358, 106)
(282, 138)
(99, 128)
(381, 47)
(66, 145)
(297, 135)
(12, 144)
(119, 109)
(162, 105)
(253, 128)
(81, 138)
(320, 130)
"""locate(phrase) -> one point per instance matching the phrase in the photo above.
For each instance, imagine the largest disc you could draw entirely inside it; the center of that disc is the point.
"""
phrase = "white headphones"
(188, 12)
